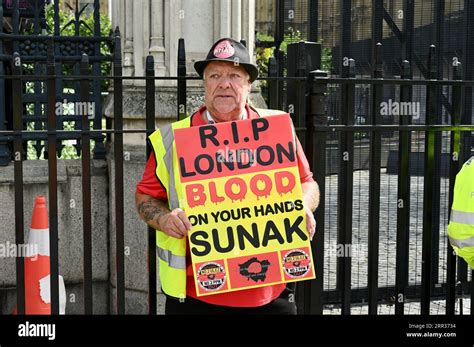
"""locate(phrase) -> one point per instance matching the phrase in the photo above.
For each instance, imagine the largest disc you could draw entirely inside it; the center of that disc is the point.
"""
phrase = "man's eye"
(214, 76)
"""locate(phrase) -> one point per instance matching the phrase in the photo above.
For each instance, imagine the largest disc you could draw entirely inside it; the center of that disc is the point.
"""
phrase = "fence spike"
(150, 62)
(378, 61)
(352, 67)
(406, 69)
(457, 70)
(431, 62)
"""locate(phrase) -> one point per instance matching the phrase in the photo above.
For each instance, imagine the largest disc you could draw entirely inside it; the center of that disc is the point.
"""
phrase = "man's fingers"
(170, 229)
(172, 225)
(174, 234)
(310, 223)
(185, 220)
(311, 227)
(181, 221)
(178, 226)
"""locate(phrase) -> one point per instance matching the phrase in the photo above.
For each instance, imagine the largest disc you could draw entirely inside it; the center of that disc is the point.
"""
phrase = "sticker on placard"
(296, 263)
(211, 276)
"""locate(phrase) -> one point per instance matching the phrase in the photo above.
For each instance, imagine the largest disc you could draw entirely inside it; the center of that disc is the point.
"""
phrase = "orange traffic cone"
(37, 265)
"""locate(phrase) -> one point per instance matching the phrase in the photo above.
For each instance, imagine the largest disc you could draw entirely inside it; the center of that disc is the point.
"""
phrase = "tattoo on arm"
(151, 212)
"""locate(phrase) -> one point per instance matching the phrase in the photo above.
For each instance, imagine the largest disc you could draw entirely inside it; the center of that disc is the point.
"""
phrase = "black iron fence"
(310, 116)
(423, 41)
(39, 43)
(367, 198)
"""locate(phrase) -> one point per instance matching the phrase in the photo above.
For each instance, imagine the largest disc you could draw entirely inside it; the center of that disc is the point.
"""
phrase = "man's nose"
(224, 82)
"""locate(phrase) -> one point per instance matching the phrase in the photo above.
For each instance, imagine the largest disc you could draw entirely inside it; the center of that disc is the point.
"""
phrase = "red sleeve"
(149, 184)
(303, 166)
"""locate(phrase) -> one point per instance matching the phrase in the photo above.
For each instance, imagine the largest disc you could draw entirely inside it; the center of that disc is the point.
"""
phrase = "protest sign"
(244, 199)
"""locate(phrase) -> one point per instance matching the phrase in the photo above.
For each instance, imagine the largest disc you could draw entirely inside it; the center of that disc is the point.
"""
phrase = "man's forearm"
(311, 195)
(150, 209)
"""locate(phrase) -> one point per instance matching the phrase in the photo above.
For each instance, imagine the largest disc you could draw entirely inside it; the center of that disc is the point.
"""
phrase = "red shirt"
(150, 185)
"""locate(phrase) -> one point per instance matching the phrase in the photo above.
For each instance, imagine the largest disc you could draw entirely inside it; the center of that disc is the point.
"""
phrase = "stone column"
(154, 27)
(235, 19)
(127, 34)
(157, 36)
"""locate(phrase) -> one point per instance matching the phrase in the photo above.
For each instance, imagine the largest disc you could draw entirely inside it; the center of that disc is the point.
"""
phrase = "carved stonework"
(154, 27)
(134, 102)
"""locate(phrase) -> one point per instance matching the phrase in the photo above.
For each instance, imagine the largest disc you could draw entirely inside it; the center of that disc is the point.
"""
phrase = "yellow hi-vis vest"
(171, 251)
(461, 225)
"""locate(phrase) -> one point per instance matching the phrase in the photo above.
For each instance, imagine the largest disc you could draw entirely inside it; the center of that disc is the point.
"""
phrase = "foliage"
(326, 59)
(263, 55)
(67, 28)
(86, 28)
(291, 36)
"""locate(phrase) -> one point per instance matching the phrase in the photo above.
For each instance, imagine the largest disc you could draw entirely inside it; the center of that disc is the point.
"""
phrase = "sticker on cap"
(224, 50)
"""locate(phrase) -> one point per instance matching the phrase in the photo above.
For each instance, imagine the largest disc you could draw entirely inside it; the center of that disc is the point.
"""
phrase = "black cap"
(229, 50)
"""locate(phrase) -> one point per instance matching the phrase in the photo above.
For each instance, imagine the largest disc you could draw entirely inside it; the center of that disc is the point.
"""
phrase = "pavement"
(387, 239)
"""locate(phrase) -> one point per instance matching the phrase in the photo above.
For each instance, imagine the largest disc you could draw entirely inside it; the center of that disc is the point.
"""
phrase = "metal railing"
(311, 119)
(37, 50)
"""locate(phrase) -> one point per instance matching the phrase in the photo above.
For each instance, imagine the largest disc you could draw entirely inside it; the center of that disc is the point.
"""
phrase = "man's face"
(226, 88)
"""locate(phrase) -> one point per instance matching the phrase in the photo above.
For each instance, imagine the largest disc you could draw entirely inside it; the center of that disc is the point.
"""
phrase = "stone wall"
(136, 267)
(70, 233)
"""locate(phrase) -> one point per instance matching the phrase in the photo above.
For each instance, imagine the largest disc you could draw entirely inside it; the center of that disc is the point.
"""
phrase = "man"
(228, 75)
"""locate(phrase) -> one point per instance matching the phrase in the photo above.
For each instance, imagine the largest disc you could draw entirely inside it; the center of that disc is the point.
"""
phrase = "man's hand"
(157, 215)
(311, 201)
(175, 223)
(310, 222)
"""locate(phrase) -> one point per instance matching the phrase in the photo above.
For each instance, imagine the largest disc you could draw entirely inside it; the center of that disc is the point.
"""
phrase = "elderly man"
(228, 75)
